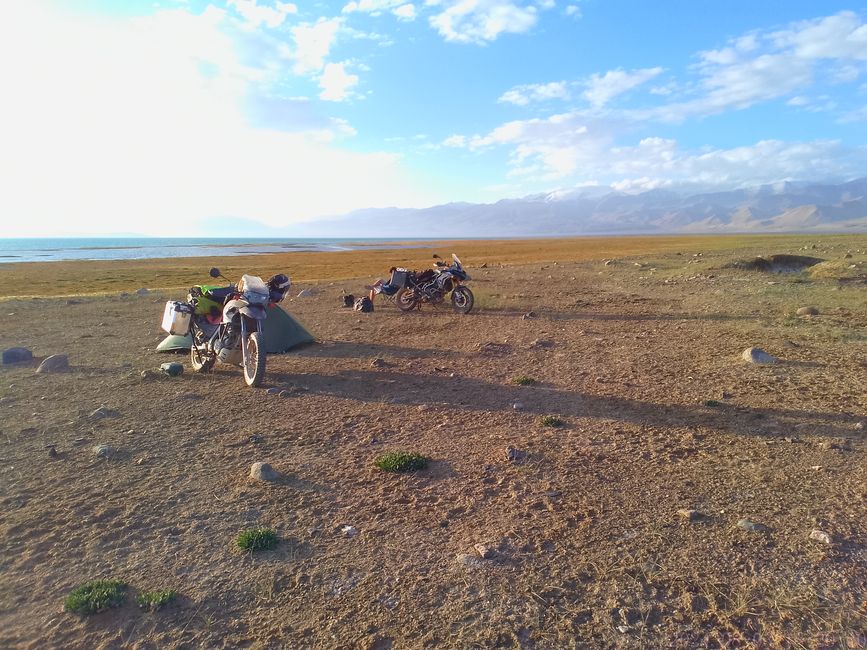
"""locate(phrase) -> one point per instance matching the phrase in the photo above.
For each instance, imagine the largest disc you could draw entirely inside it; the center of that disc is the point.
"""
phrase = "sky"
(167, 117)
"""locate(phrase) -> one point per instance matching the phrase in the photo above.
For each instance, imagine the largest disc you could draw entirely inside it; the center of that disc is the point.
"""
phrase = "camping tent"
(282, 333)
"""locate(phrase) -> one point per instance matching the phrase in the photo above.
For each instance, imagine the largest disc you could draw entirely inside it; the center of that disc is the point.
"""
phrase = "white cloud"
(256, 15)
(603, 88)
(336, 83)
(842, 36)
(405, 12)
(481, 21)
(523, 95)
(313, 43)
(144, 141)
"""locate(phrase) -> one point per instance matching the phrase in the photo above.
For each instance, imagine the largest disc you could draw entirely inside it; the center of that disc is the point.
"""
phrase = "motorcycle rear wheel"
(200, 361)
(463, 300)
(405, 300)
(254, 369)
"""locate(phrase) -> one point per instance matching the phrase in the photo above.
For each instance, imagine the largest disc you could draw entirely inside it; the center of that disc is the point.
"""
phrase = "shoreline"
(71, 278)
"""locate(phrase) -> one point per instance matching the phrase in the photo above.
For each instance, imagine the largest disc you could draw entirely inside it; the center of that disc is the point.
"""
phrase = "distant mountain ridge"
(781, 207)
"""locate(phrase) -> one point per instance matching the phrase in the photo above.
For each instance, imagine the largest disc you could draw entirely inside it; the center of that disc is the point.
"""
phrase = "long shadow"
(645, 317)
(479, 395)
(347, 349)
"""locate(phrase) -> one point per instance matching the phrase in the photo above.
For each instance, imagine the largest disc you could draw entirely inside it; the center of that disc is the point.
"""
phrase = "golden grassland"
(73, 278)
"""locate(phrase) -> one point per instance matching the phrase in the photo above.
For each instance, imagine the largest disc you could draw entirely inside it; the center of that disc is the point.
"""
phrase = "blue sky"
(156, 117)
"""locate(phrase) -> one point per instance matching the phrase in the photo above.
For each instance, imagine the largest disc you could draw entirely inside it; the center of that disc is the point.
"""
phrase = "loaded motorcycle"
(433, 285)
(226, 323)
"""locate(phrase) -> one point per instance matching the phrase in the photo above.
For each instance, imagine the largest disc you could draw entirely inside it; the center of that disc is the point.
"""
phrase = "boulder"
(757, 355)
(54, 363)
(16, 355)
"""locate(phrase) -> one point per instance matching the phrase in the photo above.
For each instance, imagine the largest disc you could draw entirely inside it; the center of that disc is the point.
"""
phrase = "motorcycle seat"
(219, 294)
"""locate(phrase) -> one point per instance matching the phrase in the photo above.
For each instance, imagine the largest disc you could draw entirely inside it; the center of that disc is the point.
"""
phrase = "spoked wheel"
(405, 300)
(201, 361)
(254, 369)
(463, 300)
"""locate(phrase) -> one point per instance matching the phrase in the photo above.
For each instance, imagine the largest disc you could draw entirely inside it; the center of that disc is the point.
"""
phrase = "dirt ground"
(640, 358)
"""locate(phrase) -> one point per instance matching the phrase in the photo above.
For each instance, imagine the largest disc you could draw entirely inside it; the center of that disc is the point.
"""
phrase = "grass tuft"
(95, 596)
(551, 421)
(257, 539)
(524, 381)
(712, 403)
(156, 599)
(401, 461)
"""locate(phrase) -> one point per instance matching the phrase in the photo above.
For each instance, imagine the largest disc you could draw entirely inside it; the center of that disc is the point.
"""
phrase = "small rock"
(104, 451)
(752, 527)
(273, 391)
(757, 355)
(807, 311)
(142, 292)
(52, 452)
(307, 293)
(54, 363)
(285, 393)
(349, 531)
(103, 412)
(263, 472)
(515, 455)
(859, 425)
(542, 343)
(140, 461)
(378, 363)
(172, 369)
(485, 551)
(16, 355)
(529, 315)
(821, 536)
(468, 560)
(691, 515)
(518, 406)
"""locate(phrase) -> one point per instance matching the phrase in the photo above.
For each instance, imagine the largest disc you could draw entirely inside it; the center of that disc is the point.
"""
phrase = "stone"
(52, 451)
(807, 311)
(468, 560)
(172, 369)
(515, 455)
(349, 531)
(485, 551)
(308, 293)
(821, 536)
(378, 363)
(757, 355)
(529, 315)
(859, 426)
(16, 355)
(103, 412)
(285, 393)
(518, 406)
(54, 363)
(542, 343)
(263, 472)
(142, 292)
(752, 527)
(274, 391)
(691, 515)
(104, 451)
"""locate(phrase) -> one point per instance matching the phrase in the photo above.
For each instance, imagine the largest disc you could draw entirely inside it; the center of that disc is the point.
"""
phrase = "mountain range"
(781, 207)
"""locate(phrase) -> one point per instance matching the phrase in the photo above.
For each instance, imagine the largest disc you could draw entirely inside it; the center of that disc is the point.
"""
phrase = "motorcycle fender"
(256, 312)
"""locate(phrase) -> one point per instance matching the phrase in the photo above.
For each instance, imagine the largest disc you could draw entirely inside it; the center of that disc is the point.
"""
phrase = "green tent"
(282, 333)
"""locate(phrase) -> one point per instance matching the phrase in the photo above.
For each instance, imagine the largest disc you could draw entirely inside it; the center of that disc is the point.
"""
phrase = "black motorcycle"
(432, 287)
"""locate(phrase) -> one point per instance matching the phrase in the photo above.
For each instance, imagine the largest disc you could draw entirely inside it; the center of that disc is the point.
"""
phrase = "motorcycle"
(226, 323)
(432, 286)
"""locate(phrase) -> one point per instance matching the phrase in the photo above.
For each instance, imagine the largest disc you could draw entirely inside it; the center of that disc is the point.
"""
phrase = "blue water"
(138, 248)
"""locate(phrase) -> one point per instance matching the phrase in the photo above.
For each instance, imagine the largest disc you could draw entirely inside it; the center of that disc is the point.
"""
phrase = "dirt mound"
(782, 263)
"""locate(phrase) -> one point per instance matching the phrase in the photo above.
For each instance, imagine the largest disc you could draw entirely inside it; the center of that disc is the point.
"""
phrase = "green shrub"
(156, 599)
(257, 539)
(712, 403)
(551, 421)
(524, 381)
(401, 461)
(95, 596)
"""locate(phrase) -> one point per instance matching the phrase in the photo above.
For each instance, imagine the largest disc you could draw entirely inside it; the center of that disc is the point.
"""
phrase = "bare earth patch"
(686, 499)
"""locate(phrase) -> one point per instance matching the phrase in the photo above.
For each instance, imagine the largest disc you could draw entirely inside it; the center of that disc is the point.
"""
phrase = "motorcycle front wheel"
(405, 300)
(463, 300)
(254, 369)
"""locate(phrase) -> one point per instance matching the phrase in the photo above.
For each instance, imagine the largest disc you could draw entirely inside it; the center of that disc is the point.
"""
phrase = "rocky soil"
(689, 498)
